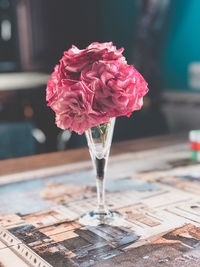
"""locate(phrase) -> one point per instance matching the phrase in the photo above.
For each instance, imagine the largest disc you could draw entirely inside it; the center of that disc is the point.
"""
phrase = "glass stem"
(100, 168)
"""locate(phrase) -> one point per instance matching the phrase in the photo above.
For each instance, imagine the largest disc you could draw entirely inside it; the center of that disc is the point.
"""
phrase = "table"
(150, 181)
(22, 80)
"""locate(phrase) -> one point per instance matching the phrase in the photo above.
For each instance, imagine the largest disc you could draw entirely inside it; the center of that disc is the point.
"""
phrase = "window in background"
(8, 38)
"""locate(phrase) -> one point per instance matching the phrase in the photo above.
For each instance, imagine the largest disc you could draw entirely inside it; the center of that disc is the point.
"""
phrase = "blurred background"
(161, 39)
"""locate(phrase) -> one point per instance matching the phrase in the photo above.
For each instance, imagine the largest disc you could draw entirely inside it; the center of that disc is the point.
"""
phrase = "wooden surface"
(60, 158)
(156, 189)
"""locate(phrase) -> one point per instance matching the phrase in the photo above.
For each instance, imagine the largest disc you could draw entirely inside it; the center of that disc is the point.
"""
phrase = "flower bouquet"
(87, 91)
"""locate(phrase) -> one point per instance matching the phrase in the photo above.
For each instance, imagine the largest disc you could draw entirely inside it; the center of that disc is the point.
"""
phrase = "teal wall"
(118, 23)
(181, 43)
(181, 36)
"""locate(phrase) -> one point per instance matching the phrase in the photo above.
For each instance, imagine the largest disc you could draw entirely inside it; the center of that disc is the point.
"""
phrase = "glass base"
(93, 218)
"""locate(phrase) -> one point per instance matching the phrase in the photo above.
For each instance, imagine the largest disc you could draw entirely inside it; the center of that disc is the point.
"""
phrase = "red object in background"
(195, 146)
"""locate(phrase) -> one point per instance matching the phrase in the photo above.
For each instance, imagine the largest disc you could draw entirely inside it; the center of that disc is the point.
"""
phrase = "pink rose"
(75, 60)
(57, 78)
(73, 107)
(91, 86)
(119, 88)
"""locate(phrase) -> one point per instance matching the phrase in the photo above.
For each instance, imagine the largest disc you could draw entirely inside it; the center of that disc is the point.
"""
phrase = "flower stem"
(103, 134)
